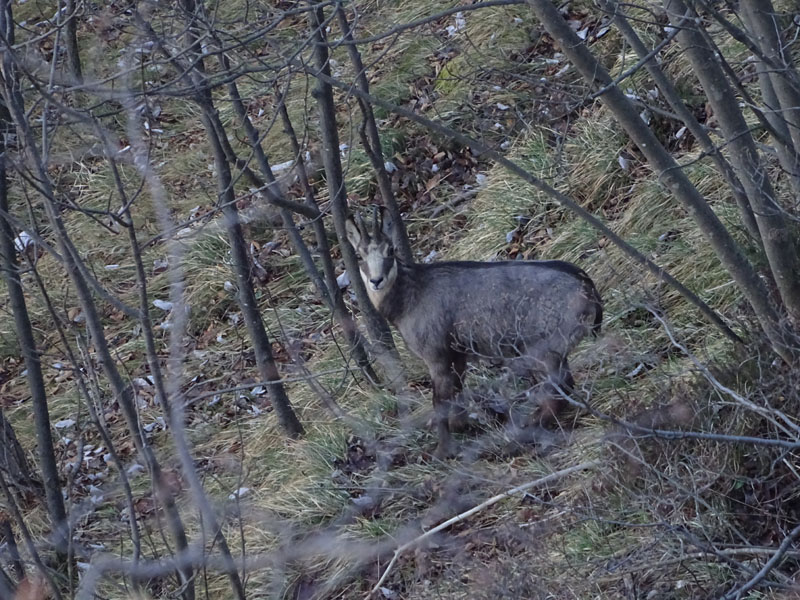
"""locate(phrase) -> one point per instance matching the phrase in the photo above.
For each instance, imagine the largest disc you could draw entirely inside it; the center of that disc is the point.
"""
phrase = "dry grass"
(617, 531)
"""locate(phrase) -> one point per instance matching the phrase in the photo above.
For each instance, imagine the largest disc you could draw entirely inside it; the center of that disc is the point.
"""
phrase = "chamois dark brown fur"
(528, 314)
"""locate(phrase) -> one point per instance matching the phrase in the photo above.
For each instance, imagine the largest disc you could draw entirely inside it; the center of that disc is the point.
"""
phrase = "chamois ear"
(353, 232)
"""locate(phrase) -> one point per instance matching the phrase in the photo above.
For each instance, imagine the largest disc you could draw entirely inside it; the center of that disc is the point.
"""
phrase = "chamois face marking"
(376, 260)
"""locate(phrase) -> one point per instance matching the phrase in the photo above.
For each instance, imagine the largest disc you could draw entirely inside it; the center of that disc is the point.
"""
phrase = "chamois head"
(375, 251)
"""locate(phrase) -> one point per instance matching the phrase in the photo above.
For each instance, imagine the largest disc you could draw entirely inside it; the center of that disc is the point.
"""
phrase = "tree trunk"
(670, 173)
(776, 232)
(123, 393)
(341, 313)
(371, 141)
(262, 347)
(384, 348)
(672, 96)
(170, 388)
(331, 295)
(71, 41)
(15, 466)
(246, 294)
(6, 585)
(780, 96)
(27, 344)
(99, 425)
(33, 551)
(8, 538)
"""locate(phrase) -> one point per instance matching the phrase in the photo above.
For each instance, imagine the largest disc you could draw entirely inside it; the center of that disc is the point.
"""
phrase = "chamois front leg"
(458, 418)
(443, 378)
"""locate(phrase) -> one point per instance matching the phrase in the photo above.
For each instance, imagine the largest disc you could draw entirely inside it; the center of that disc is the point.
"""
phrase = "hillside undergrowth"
(320, 517)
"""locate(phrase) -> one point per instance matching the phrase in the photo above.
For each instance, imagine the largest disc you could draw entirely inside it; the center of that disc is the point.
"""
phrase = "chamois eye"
(389, 252)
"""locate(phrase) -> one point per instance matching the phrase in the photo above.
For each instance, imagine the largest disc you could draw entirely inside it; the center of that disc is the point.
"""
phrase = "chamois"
(528, 314)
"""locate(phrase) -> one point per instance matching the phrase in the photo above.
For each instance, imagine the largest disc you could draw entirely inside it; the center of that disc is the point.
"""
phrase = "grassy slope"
(593, 535)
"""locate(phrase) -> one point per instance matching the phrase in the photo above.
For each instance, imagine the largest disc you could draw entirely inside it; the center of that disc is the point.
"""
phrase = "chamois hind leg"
(552, 403)
(443, 378)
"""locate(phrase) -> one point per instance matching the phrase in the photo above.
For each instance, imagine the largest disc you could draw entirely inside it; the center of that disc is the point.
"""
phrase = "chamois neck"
(403, 292)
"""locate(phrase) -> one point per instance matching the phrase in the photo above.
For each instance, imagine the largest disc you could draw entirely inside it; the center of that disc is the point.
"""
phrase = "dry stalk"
(584, 466)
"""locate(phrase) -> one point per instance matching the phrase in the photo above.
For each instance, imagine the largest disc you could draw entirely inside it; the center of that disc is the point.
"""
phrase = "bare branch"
(483, 149)
(585, 466)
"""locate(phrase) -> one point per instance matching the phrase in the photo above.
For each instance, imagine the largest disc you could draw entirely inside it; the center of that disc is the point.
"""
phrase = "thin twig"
(649, 564)
(765, 412)
(584, 466)
(770, 564)
(539, 184)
